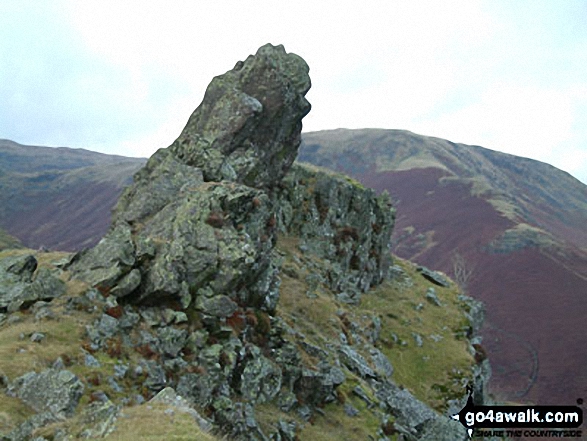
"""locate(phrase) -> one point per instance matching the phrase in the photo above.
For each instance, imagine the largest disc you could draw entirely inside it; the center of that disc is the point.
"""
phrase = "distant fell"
(59, 198)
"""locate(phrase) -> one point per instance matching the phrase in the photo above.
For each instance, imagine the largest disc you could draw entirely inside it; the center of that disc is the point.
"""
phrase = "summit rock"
(248, 127)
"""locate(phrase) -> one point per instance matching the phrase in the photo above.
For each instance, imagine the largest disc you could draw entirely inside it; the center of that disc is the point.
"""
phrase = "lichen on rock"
(248, 127)
(180, 234)
(346, 225)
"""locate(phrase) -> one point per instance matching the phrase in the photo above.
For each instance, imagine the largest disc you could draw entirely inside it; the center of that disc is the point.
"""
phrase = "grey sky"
(123, 76)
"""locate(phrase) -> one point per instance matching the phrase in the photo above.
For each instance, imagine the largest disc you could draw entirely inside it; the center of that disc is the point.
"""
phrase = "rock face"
(354, 227)
(56, 392)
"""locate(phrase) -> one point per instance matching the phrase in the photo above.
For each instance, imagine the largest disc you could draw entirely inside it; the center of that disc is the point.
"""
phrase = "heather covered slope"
(518, 223)
(59, 198)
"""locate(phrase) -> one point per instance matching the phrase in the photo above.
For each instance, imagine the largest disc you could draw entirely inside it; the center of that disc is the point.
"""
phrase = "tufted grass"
(434, 373)
(18, 356)
(150, 422)
(12, 413)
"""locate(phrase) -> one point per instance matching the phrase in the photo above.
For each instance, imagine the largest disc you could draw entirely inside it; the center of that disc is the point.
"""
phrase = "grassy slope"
(518, 222)
(432, 372)
(7, 241)
(64, 338)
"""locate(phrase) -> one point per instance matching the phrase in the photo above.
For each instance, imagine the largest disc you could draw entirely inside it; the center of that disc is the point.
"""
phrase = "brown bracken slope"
(518, 223)
(59, 198)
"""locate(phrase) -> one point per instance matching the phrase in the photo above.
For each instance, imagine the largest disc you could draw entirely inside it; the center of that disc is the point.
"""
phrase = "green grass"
(18, 356)
(145, 422)
(434, 373)
(7, 241)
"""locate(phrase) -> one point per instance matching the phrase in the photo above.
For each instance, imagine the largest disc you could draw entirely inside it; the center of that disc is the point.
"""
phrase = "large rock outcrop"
(353, 226)
(21, 284)
(248, 127)
(189, 274)
(196, 226)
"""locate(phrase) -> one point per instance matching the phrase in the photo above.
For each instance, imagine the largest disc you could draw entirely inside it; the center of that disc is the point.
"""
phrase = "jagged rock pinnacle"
(247, 129)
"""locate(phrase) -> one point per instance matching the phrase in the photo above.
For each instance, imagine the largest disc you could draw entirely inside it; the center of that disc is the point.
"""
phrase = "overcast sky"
(123, 76)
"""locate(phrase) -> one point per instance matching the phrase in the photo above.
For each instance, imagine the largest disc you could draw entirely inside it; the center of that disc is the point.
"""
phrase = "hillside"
(8, 242)
(518, 227)
(59, 198)
(237, 295)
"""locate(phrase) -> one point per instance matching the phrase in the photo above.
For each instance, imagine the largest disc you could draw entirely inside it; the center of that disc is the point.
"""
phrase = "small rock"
(217, 306)
(129, 319)
(58, 364)
(99, 396)
(127, 284)
(350, 410)
(433, 276)
(359, 392)
(37, 337)
(171, 340)
(355, 362)
(382, 364)
(43, 314)
(343, 338)
(305, 412)
(120, 370)
(180, 317)
(98, 419)
(287, 401)
(114, 385)
(287, 430)
(91, 361)
(432, 297)
(55, 391)
(418, 339)
(170, 397)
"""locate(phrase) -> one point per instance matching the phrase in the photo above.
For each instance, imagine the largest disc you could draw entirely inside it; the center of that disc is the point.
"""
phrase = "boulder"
(355, 362)
(416, 420)
(260, 380)
(22, 285)
(169, 397)
(111, 259)
(433, 276)
(52, 391)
